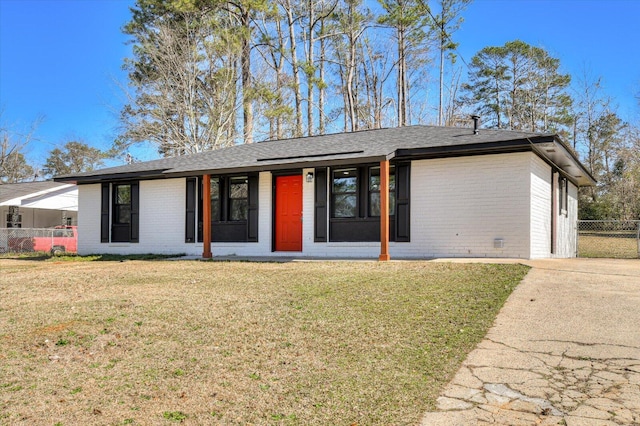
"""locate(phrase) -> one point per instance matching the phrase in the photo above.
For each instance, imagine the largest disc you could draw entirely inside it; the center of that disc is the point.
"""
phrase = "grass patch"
(608, 246)
(262, 343)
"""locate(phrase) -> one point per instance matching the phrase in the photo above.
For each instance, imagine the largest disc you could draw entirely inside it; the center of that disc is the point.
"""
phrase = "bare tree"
(409, 19)
(272, 48)
(351, 22)
(315, 13)
(13, 164)
(186, 101)
(444, 25)
(292, 20)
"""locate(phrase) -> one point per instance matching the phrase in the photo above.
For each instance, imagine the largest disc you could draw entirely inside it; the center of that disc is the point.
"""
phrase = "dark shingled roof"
(333, 149)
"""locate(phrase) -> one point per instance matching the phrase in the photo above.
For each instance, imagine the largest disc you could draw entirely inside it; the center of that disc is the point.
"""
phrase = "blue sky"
(61, 59)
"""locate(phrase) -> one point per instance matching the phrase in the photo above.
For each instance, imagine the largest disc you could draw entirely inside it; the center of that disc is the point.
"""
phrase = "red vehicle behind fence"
(64, 239)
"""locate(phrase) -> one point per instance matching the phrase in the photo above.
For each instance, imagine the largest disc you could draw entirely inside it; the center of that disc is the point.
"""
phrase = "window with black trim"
(238, 198)
(355, 204)
(229, 198)
(120, 212)
(121, 204)
(344, 193)
(234, 209)
(347, 190)
(14, 220)
(563, 193)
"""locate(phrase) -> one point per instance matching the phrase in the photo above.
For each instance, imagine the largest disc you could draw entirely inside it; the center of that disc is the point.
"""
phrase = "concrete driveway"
(565, 349)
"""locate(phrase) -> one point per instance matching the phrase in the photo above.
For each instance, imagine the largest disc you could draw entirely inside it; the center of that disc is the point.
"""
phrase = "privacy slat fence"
(609, 238)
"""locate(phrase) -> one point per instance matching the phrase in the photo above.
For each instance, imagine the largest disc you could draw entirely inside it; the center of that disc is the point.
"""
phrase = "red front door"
(288, 213)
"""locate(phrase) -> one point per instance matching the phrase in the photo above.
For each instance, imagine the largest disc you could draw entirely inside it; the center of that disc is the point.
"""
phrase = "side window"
(344, 193)
(563, 193)
(119, 212)
(14, 224)
(122, 204)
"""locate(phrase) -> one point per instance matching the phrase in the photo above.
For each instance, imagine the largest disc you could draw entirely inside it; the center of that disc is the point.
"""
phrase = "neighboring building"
(38, 204)
(453, 192)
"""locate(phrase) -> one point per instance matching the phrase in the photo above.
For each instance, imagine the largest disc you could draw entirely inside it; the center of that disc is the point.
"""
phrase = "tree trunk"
(402, 75)
(442, 41)
(310, 68)
(245, 60)
(321, 91)
(294, 69)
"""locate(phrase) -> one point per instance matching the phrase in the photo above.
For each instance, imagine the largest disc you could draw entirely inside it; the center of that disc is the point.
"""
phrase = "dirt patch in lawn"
(160, 342)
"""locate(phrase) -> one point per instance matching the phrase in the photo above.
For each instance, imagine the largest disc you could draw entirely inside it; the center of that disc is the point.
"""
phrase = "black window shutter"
(135, 212)
(320, 206)
(104, 214)
(252, 214)
(403, 197)
(190, 218)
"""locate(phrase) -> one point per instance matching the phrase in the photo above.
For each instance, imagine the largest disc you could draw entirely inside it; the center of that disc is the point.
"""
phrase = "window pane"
(215, 188)
(238, 198)
(238, 187)
(215, 210)
(374, 204)
(123, 194)
(392, 203)
(344, 205)
(122, 214)
(374, 179)
(215, 200)
(238, 209)
(344, 180)
(392, 180)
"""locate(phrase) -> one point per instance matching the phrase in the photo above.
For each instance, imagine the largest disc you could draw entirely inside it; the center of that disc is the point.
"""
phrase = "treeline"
(211, 73)
(205, 74)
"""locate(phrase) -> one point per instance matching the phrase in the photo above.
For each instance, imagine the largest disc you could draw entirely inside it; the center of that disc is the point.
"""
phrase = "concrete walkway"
(564, 350)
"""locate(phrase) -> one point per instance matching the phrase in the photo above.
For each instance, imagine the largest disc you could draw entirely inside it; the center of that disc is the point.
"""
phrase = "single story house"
(409, 192)
(41, 204)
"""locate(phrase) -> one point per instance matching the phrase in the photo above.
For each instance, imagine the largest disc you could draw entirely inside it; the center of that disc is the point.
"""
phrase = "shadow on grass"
(42, 256)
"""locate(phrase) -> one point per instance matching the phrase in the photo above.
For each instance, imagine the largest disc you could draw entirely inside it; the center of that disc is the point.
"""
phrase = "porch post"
(384, 211)
(206, 216)
(554, 212)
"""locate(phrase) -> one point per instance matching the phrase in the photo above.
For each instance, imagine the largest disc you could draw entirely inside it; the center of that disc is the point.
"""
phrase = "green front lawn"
(162, 342)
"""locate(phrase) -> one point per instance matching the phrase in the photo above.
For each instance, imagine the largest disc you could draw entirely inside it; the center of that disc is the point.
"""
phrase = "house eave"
(112, 177)
(548, 147)
(273, 166)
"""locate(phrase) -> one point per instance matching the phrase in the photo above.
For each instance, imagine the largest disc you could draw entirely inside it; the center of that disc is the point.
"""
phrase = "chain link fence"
(27, 240)
(609, 238)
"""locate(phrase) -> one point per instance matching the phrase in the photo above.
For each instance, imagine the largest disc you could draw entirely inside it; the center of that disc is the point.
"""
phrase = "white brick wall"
(540, 208)
(162, 220)
(459, 206)
(567, 223)
(89, 219)
(541, 215)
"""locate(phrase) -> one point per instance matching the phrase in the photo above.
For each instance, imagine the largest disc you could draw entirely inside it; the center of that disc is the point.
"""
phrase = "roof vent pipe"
(475, 119)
